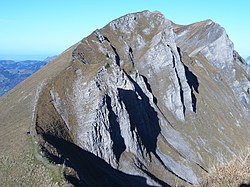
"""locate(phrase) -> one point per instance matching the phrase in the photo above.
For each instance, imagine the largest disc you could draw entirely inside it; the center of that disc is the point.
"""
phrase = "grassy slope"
(18, 166)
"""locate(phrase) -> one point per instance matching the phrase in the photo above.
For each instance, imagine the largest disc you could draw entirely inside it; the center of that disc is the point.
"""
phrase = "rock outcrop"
(144, 101)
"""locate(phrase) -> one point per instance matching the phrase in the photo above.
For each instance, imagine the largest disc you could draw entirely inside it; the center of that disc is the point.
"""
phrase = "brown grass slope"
(231, 174)
(18, 165)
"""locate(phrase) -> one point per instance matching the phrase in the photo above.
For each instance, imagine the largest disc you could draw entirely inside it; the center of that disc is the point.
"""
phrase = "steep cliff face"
(211, 41)
(158, 102)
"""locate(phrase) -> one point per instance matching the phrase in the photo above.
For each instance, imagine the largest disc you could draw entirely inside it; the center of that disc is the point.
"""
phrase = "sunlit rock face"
(146, 102)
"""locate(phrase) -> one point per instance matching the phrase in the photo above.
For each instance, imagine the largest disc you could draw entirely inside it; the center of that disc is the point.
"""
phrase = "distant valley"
(13, 72)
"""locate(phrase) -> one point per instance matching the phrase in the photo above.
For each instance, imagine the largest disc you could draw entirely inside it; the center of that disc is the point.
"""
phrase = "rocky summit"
(140, 102)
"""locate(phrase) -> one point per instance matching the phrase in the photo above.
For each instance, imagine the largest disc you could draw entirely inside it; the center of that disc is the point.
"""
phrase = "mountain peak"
(128, 22)
(140, 101)
(208, 38)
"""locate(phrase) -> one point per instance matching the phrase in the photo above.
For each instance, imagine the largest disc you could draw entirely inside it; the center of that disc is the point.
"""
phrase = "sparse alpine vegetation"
(235, 172)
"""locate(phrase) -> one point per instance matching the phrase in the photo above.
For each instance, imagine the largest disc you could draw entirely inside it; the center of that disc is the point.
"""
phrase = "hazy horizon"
(21, 57)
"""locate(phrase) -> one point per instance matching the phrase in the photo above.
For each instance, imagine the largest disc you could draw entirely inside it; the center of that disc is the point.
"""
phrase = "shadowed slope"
(92, 170)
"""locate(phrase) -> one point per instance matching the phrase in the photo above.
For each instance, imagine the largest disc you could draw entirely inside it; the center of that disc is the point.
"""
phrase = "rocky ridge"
(131, 95)
(143, 102)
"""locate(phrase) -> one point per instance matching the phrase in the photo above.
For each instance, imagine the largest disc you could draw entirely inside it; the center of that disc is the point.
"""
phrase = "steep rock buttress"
(141, 97)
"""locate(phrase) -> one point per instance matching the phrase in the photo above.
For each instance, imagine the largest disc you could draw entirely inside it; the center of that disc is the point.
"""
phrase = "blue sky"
(39, 28)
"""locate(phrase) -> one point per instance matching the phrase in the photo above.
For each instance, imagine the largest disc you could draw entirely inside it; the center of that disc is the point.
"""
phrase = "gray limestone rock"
(150, 98)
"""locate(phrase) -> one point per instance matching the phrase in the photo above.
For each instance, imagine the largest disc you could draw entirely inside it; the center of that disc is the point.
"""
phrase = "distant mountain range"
(248, 60)
(13, 72)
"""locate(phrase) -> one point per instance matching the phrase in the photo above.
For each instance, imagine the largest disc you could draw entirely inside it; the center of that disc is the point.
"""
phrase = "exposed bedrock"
(145, 102)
